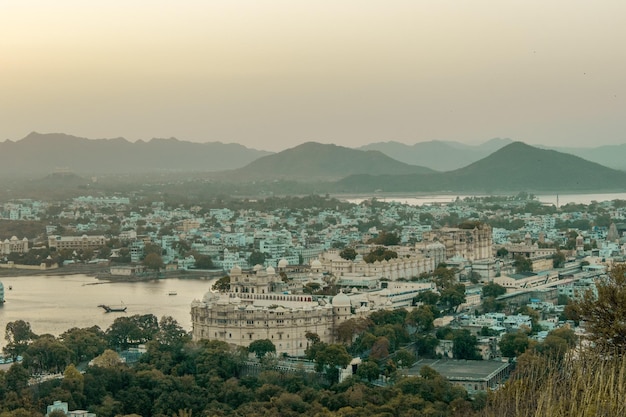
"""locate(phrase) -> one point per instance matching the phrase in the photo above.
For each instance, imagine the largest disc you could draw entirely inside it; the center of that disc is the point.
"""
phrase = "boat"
(172, 293)
(108, 309)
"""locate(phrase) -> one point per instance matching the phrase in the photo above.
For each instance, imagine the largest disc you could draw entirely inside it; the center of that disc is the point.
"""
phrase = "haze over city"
(274, 74)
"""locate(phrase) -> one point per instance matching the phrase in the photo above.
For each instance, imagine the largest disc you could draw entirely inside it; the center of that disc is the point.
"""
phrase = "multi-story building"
(256, 309)
(76, 242)
(471, 244)
(14, 245)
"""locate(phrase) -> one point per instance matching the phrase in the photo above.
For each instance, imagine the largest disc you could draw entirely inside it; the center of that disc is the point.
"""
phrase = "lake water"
(53, 304)
(561, 199)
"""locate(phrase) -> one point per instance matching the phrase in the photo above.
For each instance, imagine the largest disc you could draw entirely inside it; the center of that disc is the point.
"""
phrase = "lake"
(53, 304)
(562, 199)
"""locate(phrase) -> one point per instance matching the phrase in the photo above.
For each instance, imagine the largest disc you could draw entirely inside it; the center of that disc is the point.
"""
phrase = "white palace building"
(257, 306)
(253, 310)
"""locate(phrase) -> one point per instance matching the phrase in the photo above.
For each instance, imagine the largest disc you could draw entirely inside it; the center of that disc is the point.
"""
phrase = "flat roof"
(458, 370)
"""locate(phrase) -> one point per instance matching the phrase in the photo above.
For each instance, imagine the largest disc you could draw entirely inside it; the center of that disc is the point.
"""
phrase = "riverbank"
(102, 272)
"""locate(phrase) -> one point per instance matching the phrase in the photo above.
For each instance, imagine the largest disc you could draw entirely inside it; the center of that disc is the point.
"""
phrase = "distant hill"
(612, 156)
(43, 153)
(516, 167)
(315, 161)
(438, 155)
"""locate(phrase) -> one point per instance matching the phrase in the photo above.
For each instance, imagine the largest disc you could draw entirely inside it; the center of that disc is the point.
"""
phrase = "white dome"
(270, 270)
(236, 270)
(341, 300)
(283, 263)
(257, 267)
(316, 264)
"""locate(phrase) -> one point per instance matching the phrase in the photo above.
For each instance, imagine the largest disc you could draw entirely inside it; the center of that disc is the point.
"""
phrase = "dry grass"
(587, 385)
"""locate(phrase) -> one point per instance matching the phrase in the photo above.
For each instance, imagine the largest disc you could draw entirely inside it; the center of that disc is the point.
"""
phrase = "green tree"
(502, 252)
(493, 290)
(47, 354)
(222, 284)
(464, 345)
(605, 315)
(171, 333)
(558, 260)
(348, 253)
(453, 296)
(203, 262)
(522, 264)
(378, 254)
(386, 239)
(18, 335)
(262, 347)
(108, 359)
(132, 331)
(368, 370)
(85, 344)
(256, 258)
(427, 297)
(153, 262)
(422, 318)
(514, 344)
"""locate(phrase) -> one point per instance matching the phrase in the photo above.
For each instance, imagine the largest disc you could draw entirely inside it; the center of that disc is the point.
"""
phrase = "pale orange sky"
(272, 74)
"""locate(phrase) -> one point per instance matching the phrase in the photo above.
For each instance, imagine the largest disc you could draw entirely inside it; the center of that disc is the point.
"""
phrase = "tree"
(464, 346)
(605, 315)
(330, 358)
(108, 359)
(203, 262)
(422, 318)
(154, 262)
(514, 344)
(453, 296)
(222, 284)
(171, 333)
(386, 239)
(261, 348)
(379, 254)
(427, 297)
(502, 252)
(522, 264)
(558, 260)
(256, 258)
(348, 253)
(368, 370)
(18, 335)
(84, 344)
(404, 358)
(47, 354)
(133, 330)
(347, 329)
(493, 290)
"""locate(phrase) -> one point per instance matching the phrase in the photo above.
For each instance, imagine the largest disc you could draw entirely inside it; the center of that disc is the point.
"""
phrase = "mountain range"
(506, 167)
(313, 161)
(44, 153)
(515, 167)
(438, 155)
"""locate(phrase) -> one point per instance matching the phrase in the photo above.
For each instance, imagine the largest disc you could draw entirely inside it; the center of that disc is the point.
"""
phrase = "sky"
(273, 74)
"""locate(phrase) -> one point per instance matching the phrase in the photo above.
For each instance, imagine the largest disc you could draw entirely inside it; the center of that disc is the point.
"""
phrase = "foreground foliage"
(586, 385)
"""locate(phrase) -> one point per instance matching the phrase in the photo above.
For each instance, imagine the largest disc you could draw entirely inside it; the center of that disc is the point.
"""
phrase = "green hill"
(438, 155)
(316, 161)
(516, 167)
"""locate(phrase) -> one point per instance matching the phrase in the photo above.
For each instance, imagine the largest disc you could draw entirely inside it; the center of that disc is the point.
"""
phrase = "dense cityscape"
(315, 291)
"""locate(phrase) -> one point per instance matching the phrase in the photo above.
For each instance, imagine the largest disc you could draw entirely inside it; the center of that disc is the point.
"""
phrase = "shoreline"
(102, 272)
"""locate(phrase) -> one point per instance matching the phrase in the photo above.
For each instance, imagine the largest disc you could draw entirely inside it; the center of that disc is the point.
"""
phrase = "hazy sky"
(272, 74)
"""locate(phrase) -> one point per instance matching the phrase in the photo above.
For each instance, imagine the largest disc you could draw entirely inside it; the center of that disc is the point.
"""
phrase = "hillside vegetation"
(313, 160)
(513, 168)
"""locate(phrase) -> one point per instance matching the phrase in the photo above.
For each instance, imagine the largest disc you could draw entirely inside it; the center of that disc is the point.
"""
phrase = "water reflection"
(53, 304)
